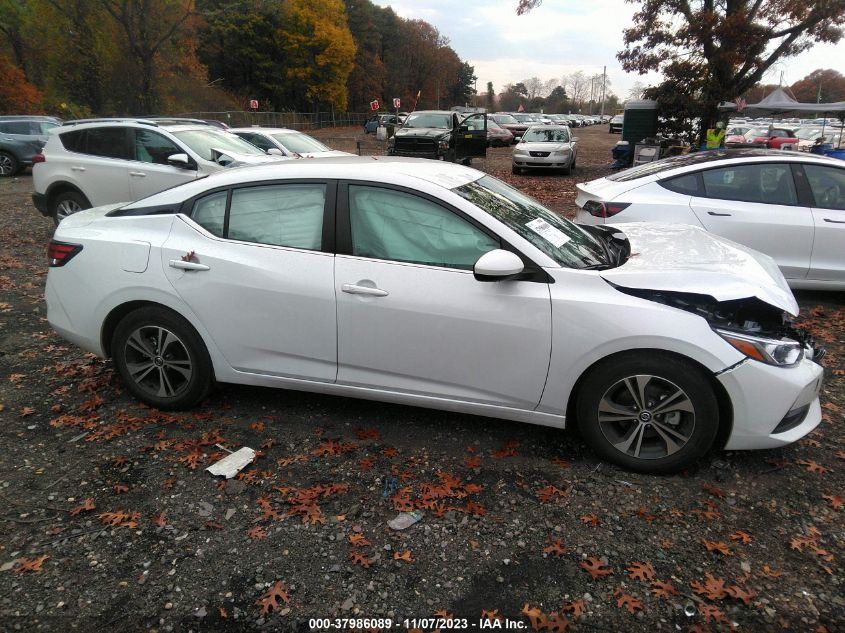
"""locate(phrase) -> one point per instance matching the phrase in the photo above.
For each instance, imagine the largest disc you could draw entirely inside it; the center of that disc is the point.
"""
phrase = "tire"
(161, 359)
(67, 203)
(466, 162)
(515, 170)
(644, 438)
(9, 165)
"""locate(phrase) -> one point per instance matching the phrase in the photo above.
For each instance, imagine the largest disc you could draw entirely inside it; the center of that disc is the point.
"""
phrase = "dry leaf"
(641, 571)
(405, 556)
(87, 505)
(595, 567)
(31, 564)
(629, 602)
(270, 600)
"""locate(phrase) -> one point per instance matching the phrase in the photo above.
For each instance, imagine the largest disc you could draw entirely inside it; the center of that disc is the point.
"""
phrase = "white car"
(788, 205)
(289, 142)
(545, 147)
(431, 284)
(101, 161)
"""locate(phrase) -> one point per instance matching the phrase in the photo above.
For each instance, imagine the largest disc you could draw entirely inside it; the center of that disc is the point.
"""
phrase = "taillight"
(38, 158)
(60, 253)
(604, 209)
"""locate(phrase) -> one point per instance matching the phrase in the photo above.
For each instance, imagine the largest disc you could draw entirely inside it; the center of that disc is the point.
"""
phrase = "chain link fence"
(292, 120)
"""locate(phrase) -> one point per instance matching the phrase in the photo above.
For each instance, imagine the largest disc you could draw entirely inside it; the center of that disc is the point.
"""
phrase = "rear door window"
(764, 183)
(282, 215)
(108, 142)
(827, 185)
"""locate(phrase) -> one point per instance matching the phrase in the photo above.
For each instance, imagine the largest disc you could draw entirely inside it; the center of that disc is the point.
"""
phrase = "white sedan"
(435, 285)
(788, 205)
(287, 142)
(545, 147)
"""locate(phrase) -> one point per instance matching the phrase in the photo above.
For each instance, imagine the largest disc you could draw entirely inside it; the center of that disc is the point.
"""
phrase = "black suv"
(441, 135)
(21, 137)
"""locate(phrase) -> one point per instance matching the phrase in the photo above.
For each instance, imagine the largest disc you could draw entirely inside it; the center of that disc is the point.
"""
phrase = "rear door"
(756, 204)
(259, 276)
(827, 185)
(99, 164)
(151, 173)
(471, 138)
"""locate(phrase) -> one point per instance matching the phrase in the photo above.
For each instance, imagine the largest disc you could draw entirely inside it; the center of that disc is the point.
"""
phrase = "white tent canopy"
(780, 101)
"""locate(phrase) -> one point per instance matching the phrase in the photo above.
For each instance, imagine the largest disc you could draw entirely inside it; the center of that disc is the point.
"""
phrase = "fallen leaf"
(717, 546)
(711, 612)
(120, 489)
(256, 532)
(813, 467)
(491, 616)
(641, 571)
(358, 558)
(712, 588)
(663, 589)
(739, 535)
(835, 501)
(591, 519)
(576, 607)
(595, 567)
(159, 519)
(358, 540)
(549, 493)
(768, 572)
(713, 490)
(270, 600)
(87, 505)
(555, 548)
(31, 564)
(405, 556)
(631, 603)
(536, 617)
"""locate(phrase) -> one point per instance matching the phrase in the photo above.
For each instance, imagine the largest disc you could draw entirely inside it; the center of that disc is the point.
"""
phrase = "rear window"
(73, 141)
(686, 184)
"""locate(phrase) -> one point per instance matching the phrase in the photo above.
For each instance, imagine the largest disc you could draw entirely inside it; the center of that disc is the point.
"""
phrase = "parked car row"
(21, 138)
(795, 134)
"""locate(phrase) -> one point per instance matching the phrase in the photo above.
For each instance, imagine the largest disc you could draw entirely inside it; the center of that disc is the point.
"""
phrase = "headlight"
(443, 143)
(519, 152)
(783, 352)
(563, 151)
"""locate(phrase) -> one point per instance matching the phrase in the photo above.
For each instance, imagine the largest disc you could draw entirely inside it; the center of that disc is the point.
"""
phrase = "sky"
(560, 37)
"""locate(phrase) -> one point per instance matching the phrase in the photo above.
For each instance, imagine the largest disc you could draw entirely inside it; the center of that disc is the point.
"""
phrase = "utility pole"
(603, 87)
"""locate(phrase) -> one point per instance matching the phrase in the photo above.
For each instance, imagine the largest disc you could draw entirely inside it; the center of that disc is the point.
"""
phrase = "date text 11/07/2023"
(325, 624)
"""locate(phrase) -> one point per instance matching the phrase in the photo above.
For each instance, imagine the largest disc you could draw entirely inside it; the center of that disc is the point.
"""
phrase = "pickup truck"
(441, 135)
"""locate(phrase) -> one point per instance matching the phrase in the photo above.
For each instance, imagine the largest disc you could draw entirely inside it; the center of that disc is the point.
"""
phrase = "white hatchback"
(431, 284)
(789, 205)
(290, 143)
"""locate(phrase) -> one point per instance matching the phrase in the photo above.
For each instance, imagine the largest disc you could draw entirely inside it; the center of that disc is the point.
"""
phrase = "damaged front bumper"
(772, 406)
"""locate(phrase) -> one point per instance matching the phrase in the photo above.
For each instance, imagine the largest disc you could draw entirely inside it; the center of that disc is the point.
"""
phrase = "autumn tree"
(490, 97)
(17, 95)
(147, 27)
(725, 46)
(820, 86)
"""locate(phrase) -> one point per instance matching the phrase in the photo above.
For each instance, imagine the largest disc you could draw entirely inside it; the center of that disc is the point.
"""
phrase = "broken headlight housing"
(781, 352)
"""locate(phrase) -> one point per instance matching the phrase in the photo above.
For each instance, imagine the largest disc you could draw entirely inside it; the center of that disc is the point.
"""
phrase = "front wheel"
(649, 412)
(161, 359)
(9, 165)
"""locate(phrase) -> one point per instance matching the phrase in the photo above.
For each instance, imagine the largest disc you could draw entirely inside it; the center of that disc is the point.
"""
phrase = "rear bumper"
(39, 200)
(772, 406)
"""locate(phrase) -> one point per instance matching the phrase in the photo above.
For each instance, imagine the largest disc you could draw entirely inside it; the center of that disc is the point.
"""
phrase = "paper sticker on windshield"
(549, 233)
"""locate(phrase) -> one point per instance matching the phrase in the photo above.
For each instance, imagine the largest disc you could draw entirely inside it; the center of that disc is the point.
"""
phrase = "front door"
(412, 317)
(471, 139)
(257, 280)
(756, 204)
(151, 172)
(827, 185)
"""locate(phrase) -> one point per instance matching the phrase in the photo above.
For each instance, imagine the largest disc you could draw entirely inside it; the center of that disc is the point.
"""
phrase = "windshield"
(203, 141)
(545, 135)
(505, 119)
(523, 118)
(300, 143)
(808, 134)
(428, 119)
(565, 242)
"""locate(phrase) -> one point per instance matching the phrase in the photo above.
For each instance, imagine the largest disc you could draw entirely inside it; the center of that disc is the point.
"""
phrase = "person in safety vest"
(716, 136)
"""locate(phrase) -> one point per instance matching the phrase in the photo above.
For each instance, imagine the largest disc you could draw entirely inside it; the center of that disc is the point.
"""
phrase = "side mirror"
(180, 160)
(275, 151)
(497, 265)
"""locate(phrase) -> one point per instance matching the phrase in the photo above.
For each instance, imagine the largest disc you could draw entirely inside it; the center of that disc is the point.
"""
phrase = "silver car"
(546, 147)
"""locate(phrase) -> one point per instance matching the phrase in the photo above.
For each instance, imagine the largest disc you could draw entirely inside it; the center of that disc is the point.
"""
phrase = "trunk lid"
(681, 258)
(604, 190)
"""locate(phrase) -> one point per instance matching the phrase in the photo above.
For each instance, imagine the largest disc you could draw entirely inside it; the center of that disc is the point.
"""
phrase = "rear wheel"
(648, 412)
(67, 203)
(9, 165)
(161, 359)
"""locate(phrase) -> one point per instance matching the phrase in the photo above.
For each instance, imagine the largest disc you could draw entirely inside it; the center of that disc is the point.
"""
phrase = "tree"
(463, 88)
(148, 26)
(636, 91)
(577, 87)
(820, 86)
(17, 95)
(490, 102)
(727, 46)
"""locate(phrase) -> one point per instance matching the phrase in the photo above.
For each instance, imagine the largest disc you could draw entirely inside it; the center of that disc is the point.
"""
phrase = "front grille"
(415, 147)
(539, 154)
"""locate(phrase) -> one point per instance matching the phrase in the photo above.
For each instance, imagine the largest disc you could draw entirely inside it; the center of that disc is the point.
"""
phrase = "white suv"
(102, 161)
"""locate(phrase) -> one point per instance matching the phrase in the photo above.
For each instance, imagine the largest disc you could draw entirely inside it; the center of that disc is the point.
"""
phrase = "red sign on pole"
(374, 104)
(253, 104)
(397, 103)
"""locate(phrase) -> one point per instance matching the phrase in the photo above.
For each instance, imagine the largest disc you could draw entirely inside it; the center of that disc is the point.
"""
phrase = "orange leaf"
(712, 588)
(717, 546)
(576, 607)
(31, 564)
(663, 589)
(491, 616)
(120, 488)
(256, 532)
(813, 467)
(739, 535)
(536, 617)
(713, 490)
(358, 540)
(591, 519)
(835, 501)
(87, 505)
(629, 602)
(595, 567)
(159, 519)
(641, 571)
(768, 572)
(405, 556)
(270, 600)
(555, 548)
(358, 558)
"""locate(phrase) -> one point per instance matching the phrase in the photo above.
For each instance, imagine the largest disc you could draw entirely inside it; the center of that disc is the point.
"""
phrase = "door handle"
(718, 214)
(140, 174)
(352, 289)
(178, 263)
(77, 169)
(834, 221)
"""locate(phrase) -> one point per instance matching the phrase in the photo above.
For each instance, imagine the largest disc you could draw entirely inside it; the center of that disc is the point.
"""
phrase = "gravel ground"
(110, 522)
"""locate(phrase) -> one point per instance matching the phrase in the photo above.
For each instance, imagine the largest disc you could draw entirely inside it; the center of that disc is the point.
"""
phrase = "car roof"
(378, 168)
(170, 125)
(268, 130)
(433, 112)
(547, 127)
(28, 117)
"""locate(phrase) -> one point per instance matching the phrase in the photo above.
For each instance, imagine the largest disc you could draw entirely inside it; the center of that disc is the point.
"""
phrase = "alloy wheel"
(158, 361)
(65, 208)
(646, 417)
(6, 166)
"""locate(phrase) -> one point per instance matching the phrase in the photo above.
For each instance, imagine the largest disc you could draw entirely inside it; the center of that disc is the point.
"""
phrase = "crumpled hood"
(682, 258)
(422, 132)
